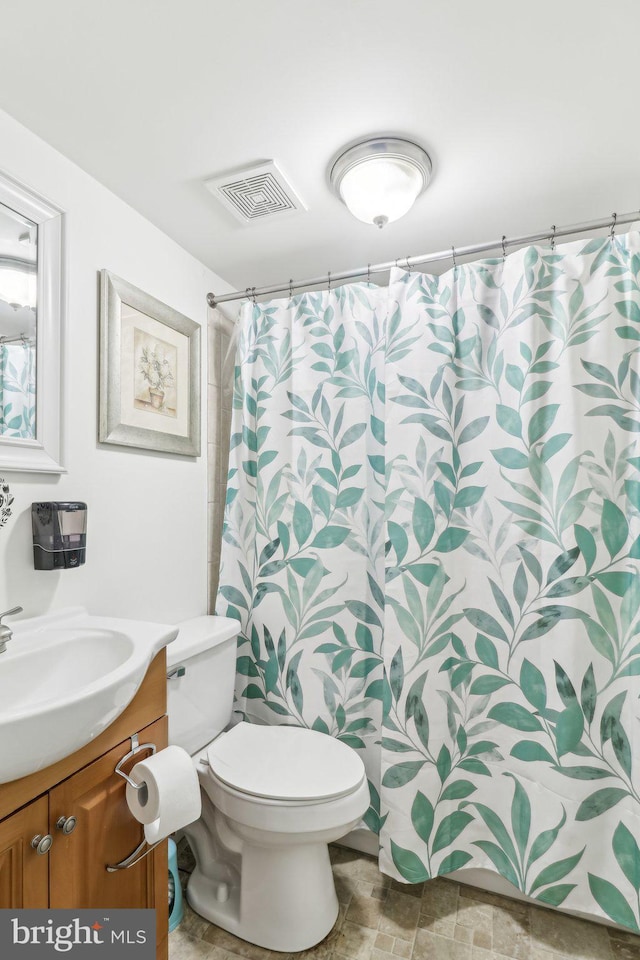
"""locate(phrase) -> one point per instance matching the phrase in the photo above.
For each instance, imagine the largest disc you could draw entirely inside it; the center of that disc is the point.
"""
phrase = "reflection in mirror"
(31, 268)
(18, 291)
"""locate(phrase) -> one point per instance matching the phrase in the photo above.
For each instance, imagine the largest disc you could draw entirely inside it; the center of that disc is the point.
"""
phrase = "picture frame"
(149, 371)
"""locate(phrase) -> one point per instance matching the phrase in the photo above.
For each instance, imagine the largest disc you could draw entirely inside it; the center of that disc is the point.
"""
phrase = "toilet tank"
(200, 700)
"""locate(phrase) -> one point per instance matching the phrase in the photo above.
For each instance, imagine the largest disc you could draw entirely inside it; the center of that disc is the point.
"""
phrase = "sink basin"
(64, 678)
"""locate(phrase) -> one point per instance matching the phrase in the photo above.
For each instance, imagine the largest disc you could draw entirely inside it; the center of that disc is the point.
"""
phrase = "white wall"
(147, 519)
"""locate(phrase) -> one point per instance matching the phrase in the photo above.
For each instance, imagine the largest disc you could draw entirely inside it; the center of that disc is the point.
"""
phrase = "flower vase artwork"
(155, 377)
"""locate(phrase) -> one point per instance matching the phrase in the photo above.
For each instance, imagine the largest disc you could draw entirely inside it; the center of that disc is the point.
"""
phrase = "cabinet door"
(24, 873)
(106, 833)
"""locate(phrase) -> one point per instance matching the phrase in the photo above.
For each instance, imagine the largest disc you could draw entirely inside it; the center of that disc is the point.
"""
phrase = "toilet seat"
(282, 763)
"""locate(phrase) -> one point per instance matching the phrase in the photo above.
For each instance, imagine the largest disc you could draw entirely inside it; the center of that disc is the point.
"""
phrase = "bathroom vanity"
(61, 826)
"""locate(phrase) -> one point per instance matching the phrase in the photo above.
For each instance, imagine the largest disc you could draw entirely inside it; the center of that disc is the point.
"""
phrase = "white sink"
(64, 678)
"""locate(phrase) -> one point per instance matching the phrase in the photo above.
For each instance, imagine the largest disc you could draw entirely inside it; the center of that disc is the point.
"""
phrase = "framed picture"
(149, 371)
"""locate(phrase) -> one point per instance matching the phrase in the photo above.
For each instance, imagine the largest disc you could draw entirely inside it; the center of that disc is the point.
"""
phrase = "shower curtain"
(17, 390)
(432, 542)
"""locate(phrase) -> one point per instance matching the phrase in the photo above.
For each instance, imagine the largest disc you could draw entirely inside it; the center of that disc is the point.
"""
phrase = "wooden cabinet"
(73, 872)
(105, 833)
(24, 873)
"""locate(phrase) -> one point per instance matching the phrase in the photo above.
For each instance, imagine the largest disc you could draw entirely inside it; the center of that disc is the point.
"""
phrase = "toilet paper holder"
(136, 748)
(137, 854)
(135, 857)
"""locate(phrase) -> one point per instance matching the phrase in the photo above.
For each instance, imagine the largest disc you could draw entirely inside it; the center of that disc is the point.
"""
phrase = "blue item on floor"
(176, 906)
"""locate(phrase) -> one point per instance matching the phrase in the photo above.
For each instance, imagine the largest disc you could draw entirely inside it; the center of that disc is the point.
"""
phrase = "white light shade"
(18, 287)
(381, 190)
(379, 180)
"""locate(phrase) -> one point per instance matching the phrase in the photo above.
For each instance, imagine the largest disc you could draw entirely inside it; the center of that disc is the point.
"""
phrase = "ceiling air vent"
(255, 193)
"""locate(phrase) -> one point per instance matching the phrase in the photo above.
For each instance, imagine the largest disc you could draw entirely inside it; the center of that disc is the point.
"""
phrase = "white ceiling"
(529, 112)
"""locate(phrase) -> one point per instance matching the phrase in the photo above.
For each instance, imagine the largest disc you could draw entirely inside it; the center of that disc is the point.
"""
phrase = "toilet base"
(284, 898)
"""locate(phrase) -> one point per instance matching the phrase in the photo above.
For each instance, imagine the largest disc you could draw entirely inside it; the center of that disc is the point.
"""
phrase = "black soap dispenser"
(59, 534)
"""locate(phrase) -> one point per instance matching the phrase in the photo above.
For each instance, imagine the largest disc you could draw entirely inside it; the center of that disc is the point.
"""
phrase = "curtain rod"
(20, 337)
(611, 221)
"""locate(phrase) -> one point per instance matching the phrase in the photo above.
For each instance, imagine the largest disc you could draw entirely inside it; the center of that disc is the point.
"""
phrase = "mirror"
(30, 330)
(18, 295)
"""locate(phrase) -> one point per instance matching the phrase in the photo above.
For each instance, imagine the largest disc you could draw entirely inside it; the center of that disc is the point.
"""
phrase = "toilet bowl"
(273, 798)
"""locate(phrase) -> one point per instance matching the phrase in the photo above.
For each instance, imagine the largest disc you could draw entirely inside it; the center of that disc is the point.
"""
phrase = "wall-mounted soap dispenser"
(59, 534)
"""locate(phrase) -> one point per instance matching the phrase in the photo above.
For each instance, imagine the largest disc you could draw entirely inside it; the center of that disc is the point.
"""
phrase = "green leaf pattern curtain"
(17, 390)
(303, 553)
(500, 730)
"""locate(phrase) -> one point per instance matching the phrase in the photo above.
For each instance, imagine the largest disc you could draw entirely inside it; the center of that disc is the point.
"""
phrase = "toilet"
(273, 797)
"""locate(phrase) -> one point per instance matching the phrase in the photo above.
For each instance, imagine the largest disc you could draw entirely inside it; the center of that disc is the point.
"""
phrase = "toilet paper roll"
(170, 798)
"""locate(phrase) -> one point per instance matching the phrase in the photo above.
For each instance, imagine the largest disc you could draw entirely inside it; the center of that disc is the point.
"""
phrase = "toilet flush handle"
(176, 673)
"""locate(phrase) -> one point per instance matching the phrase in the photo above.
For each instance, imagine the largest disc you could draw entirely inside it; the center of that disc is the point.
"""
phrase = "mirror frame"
(43, 454)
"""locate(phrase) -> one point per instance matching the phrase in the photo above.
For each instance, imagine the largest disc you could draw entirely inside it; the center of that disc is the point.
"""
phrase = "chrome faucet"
(5, 632)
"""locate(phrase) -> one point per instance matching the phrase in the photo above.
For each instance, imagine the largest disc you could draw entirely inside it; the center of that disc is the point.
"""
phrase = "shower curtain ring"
(368, 273)
(247, 292)
(504, 247)
(328, 281)
(253, 296)
(291, 288)
(613, 225)
(553, 238)
(453, 257)
(408, 266)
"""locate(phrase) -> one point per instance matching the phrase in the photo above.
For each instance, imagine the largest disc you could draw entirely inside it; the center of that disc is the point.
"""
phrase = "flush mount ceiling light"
(380, 179)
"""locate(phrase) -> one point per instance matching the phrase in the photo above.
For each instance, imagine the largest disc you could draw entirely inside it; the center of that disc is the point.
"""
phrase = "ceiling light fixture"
(380, 179)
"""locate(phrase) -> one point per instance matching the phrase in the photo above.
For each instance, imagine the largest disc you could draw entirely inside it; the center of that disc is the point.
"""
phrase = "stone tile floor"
(381, 919)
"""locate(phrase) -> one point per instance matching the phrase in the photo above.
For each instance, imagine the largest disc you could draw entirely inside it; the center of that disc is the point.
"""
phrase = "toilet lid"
(285, 763)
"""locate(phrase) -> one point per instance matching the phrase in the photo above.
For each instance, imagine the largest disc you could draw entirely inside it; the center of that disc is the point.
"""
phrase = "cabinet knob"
(66, 824)
(42, 844)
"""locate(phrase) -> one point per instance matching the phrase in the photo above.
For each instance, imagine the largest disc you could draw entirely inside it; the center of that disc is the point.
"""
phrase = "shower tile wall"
(219, 398)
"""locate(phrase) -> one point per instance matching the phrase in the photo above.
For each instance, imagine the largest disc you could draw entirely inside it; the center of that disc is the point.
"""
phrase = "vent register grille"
(255, 193)
(257, 196)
